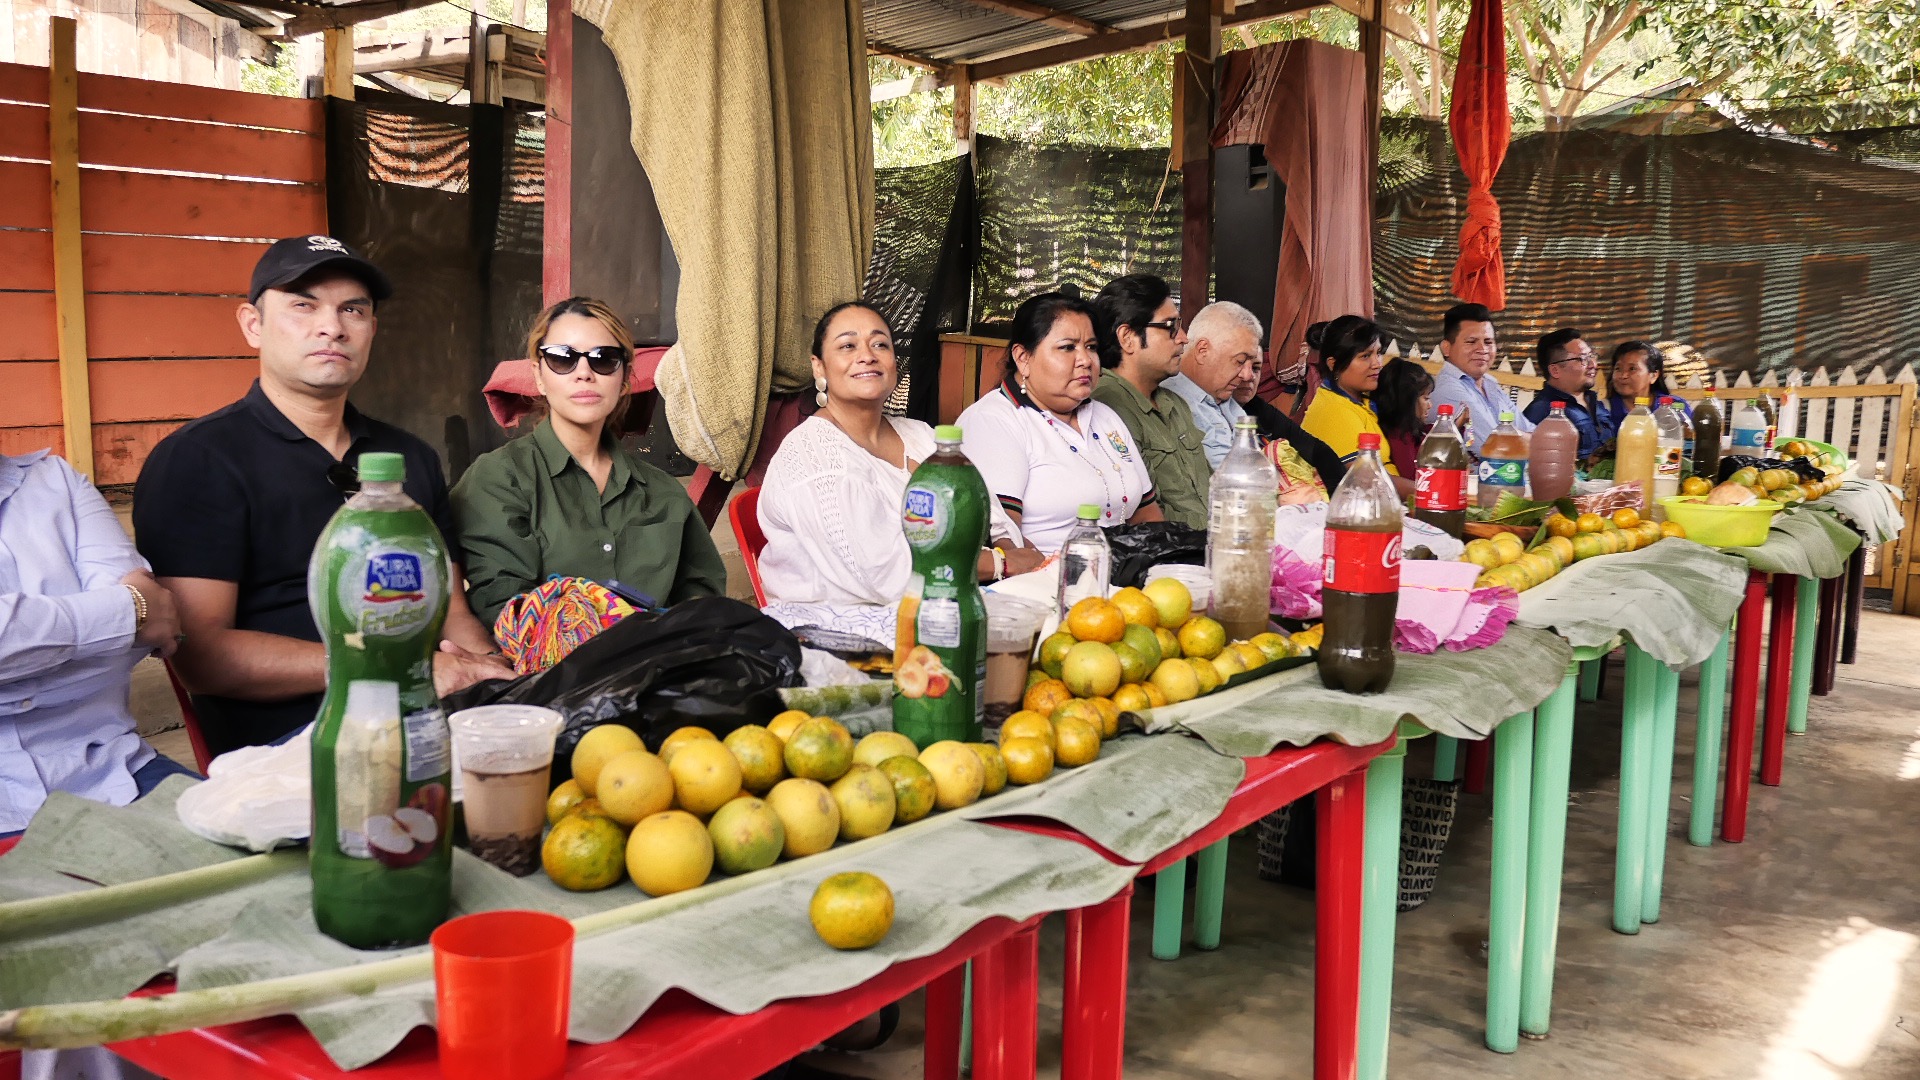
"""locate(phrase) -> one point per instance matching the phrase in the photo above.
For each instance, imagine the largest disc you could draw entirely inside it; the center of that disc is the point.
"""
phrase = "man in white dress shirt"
(1469, 345)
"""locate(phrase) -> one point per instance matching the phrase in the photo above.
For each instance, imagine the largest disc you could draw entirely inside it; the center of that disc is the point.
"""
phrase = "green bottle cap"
(1506, 417)
(377, 468)
(1089, 512)
(947, 433)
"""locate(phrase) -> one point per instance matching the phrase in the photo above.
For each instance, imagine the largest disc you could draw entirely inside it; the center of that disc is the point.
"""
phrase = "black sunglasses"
(1171, 326)
(603, 359)
(344, 478)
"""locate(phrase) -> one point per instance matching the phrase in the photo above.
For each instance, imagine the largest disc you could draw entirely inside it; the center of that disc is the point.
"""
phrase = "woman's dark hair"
(1336, 343)
(1127, 301)
(1656, 363)
(1396, 401)
(826, 321)
(1034, 319)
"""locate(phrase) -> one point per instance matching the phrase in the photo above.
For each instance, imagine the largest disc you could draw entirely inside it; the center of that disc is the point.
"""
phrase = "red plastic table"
(1094, 1020)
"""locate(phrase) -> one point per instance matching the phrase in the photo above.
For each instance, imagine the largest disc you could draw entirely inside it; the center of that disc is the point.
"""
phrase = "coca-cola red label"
(1361, 562)
(1439, 489)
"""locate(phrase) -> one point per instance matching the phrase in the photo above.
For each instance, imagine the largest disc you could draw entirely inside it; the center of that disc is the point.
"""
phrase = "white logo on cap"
(325, 243)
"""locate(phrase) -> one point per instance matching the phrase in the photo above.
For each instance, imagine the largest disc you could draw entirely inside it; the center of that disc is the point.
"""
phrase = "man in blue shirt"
(1569, 365)
(1478, 399)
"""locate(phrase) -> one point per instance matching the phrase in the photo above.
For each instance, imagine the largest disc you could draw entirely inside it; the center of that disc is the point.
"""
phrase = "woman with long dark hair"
(1347, 353)
(1400, 404)
(1639, 369)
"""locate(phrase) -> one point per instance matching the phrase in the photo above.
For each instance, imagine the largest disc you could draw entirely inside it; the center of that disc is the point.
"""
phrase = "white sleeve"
(995, 442)
(831, 535)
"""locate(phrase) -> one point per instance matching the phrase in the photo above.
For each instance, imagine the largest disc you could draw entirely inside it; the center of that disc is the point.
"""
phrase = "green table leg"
(1706, 743)
(1169, 910)
(1660, 788)
(1380, 907)
(1446, 758)
(1806, 615)
(1590, 678)
(1210, 896)
(1512, 798)
(1636, 769)
(1546, 853)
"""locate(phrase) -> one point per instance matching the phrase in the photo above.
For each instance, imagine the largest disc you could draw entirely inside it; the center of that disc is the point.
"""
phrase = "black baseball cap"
(289, 260)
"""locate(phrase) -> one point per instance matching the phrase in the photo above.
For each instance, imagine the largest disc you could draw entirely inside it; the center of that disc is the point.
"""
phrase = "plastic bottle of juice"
(1636, 447)
(382, 849)
(1440, 477)
(1750, 430)
(1086, 562)
(1708, 428)
(1671, 449)
(1553, 454)
(1503, 462)
(941, 656)
(1241, 503)
(1360, 577)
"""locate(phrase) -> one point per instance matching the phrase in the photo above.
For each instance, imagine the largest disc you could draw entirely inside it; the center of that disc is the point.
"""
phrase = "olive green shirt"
(528, 511)
(1170, 441)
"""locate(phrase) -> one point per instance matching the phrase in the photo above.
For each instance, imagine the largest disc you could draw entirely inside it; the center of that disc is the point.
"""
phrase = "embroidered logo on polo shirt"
(1119, 446)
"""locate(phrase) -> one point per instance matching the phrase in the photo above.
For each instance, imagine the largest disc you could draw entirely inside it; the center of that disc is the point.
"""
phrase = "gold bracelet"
(139, 608)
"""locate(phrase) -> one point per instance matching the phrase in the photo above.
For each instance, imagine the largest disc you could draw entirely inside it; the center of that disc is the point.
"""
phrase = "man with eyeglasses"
(1140, 346)
(228, 508)
(1569, 365)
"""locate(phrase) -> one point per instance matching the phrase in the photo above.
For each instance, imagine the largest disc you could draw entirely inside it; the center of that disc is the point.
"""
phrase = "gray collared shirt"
(1214, 418)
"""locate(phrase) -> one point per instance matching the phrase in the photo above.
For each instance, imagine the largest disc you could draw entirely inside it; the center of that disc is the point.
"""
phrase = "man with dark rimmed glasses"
(1568, 365)
(227, 508)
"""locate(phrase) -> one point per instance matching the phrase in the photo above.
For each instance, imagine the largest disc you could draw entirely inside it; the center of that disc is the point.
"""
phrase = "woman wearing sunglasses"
(569, 500)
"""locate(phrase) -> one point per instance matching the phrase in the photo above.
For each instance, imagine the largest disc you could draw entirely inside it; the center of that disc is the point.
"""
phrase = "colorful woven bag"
(540, 627)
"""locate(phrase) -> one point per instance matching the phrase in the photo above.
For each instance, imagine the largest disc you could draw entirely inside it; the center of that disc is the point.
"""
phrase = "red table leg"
(1006, 1005)
(1773, 738)
(1827, 636)
(1746, 700)
(1341, 817)
(1093, 1025)
(944, 998)
(1479, 757)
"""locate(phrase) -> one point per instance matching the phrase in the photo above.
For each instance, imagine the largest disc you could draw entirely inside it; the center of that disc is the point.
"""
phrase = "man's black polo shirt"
(241, 495)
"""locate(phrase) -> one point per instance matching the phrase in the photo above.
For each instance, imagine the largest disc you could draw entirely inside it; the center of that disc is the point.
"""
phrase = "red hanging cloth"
(1481, 126)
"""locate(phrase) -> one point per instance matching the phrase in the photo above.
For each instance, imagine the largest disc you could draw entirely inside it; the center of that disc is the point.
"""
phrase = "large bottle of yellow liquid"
(1637, 448)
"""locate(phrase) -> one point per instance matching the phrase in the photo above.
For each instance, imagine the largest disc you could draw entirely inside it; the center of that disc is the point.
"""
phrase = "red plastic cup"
(501, 983)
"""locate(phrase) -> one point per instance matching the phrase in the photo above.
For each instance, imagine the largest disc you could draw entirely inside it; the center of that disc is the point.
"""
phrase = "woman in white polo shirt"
(1043, 444)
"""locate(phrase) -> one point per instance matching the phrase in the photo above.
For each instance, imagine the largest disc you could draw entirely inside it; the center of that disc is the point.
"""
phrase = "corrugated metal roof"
(952, 31)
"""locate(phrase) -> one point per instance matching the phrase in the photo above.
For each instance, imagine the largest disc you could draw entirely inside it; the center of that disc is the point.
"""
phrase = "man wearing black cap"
(228, 508)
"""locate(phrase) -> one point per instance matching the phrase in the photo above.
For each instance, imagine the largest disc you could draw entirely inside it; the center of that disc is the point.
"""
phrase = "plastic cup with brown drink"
(1012, 626)
(504, 754)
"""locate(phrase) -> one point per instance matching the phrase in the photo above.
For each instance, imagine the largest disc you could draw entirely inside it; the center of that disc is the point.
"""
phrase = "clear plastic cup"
(502, 984)
(505, 757)
(1012, 626)
(1197, 579)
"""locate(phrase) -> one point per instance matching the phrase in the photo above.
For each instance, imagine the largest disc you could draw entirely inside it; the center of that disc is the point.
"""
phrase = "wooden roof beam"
(1131, 38)
(1040, 13)
(335, 16)
(876, 48)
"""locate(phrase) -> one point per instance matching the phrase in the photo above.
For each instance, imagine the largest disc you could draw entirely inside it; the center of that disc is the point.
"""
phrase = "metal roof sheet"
(952, 31)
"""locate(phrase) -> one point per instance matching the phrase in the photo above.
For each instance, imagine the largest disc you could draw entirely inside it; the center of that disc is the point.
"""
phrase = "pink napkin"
(1438, 603)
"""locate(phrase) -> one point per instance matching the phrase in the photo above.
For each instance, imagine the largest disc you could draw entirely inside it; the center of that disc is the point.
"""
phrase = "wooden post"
(1372, 46)
(964, 97)
(1196, 154)
(336, 70)
(556, 270)
(69, 286)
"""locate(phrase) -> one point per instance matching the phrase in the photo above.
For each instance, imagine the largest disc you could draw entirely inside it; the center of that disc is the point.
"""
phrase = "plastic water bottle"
(1241, 502)
(1670, 447)
(1503, 462)
(1636, 448)
(1085, 560)
(1750, 429)
(1553, 455)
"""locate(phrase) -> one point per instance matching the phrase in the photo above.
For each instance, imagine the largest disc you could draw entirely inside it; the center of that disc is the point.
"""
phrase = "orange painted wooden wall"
(180, 189)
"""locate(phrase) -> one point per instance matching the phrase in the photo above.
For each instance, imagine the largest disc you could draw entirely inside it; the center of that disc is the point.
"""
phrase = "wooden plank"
(23, 82)
(1195, 69)
(556, 263)
(336, 66)
(1028, 11)
(125, 325)
(1128, 40)
(165, 205)
(115, 93)
(69, 286)
(126, 391)
(1806, 392)
(124, 141)
(112, 262)
(964, 98)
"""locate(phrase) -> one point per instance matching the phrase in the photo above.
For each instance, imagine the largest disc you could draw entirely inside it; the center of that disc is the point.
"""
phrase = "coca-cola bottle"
(1360, 577)
(1440, 477)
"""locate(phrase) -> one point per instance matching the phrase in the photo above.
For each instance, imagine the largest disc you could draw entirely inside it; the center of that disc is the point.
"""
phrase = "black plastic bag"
(1139, 548)
(710, 662)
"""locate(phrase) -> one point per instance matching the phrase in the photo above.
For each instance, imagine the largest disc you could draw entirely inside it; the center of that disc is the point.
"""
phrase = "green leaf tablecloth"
(1804, 543)
(1869, 506)
(1674, 599)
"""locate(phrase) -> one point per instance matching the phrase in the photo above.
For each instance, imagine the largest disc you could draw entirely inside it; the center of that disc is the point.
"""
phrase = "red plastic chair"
(201, 756)
(744, 512)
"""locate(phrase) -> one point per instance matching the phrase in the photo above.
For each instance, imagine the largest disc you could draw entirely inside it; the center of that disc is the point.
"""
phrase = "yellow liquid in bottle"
(1637, 448)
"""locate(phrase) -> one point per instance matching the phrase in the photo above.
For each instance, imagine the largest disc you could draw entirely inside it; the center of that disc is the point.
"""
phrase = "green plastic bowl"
(1721, 526)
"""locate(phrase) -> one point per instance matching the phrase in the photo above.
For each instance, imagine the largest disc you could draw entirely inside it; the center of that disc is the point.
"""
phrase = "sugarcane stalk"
(65, 911)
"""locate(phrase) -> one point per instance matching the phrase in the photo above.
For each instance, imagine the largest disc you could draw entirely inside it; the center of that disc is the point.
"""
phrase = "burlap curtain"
(1305, 102)
(750, 117)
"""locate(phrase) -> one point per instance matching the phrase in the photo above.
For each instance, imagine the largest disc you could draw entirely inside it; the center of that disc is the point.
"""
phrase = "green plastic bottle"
(382, 848)
(940, 652)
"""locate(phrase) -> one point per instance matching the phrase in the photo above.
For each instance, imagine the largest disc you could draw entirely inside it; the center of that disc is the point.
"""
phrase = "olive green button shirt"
(528, 511)
(1170, 441)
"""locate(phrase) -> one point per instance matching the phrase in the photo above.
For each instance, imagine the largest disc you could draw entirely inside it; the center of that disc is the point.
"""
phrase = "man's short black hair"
(1551, 345)
(1463, 313)
(1130, 301)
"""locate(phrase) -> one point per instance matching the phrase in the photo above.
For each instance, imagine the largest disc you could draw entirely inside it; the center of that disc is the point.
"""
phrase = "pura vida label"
(389, 590)
(922, 518)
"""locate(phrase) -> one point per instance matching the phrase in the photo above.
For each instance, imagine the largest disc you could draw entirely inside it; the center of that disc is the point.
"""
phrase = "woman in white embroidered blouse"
(830, 505)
